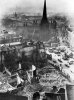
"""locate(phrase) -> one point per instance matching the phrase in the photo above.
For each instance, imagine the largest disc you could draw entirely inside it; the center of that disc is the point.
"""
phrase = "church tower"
(44, 22)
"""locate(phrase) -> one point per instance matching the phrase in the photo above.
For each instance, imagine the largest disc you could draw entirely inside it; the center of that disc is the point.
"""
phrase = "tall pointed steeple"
(45, 10)
(44, 22)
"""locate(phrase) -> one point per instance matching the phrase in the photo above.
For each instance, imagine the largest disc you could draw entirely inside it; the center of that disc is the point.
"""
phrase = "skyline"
(62, 7)
(36, 6)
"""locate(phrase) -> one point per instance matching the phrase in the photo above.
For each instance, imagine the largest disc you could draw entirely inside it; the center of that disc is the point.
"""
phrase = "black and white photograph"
(36, 49)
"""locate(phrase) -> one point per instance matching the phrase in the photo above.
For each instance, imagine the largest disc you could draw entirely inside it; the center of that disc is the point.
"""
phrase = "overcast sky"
(35, 6)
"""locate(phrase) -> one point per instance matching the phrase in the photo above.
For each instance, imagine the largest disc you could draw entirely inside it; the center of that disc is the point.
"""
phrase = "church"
(44, 21)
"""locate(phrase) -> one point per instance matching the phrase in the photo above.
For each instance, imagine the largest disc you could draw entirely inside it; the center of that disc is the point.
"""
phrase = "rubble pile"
(53, 79)
(63, 60)
(4, 85)
(58, 67)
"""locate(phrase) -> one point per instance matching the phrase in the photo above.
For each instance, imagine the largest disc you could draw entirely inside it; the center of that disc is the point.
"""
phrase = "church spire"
(45, 10)
(44, 21)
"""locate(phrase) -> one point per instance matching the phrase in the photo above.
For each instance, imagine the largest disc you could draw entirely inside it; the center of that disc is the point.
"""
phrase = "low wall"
(7, 96)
